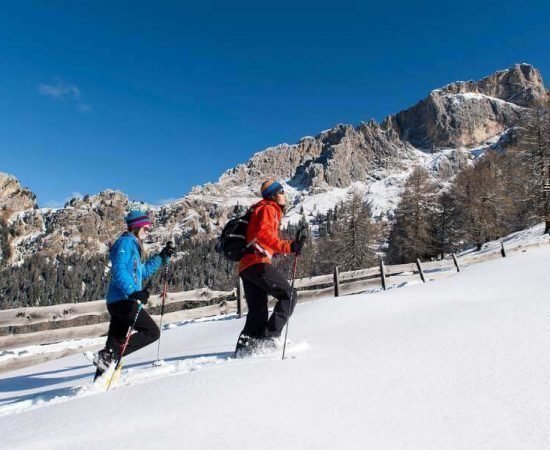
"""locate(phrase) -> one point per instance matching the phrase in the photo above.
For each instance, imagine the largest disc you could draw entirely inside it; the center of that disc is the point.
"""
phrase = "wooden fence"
(41, 325)
(384, 277)
(49, 324)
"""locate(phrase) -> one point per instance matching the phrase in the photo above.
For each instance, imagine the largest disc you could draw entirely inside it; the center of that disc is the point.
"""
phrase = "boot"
(103, 359)
(246, 346)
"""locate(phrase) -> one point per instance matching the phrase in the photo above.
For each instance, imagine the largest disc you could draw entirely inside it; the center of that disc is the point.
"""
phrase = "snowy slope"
(460, 363)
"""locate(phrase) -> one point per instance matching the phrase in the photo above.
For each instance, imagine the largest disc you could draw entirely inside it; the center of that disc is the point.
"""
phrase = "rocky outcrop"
(13, 197)
(521, 85)
(463, 114)
(18, 215)
(83, 226)
(349, 154)
(275, 162)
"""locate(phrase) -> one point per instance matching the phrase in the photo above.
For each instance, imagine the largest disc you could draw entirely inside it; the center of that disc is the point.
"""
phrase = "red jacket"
(263, 232)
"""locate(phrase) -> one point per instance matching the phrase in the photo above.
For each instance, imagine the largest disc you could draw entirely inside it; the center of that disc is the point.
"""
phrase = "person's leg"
(256, 300)
(118, 327)
(270, 281)
(146, 330)
(115, 337)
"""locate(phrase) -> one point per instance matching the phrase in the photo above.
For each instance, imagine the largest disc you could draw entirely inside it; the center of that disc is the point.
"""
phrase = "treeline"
(5, 251)
(502, 192)
(40, 281)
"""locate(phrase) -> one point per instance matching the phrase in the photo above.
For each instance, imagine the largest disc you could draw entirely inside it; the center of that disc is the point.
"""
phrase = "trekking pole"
(126, 342)
(164, 292)
(292, 295)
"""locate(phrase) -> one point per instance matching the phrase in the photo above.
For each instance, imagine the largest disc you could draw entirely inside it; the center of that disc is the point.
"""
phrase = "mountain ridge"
(443, 132)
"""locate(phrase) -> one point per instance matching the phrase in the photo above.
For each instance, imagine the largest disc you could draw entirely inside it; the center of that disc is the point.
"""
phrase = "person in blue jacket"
(126, 290)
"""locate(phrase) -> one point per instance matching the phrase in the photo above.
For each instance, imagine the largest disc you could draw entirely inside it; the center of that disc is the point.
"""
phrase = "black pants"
(123, 314)
(259, 281)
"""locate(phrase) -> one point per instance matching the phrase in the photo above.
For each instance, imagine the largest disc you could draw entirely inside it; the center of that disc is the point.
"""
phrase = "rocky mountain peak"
(13, 197)
(521, 84)
(466, 113)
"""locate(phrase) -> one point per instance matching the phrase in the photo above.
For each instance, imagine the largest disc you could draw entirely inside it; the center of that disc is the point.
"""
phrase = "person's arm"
(266, 235)
(151, 266)
(120, 261)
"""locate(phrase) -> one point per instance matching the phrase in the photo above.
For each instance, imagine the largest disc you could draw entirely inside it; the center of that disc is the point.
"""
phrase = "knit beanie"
(137, 219)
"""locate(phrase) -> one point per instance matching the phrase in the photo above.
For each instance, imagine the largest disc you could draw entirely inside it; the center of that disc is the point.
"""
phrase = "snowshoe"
(103, 359)
(109, 377)
(248, 346)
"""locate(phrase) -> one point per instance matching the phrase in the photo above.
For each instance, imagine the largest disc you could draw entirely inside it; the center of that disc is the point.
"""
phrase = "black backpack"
(232, 241)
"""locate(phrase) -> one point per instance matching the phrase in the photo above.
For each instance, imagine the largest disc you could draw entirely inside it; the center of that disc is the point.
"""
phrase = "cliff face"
(468, 113)
(440, 132)
(15, 200)
(521, 85)
(14, 197)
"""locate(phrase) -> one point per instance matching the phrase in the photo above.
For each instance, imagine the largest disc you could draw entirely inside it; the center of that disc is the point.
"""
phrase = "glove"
(296, 247)
(301, 234)
(167, 251)
(142, 296)
(298, 243)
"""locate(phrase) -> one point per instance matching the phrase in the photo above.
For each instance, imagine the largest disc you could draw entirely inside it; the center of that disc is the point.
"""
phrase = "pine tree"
(445, 227)
(353, 239)
(482, 203)
(515, 182)
(411, 234)
(532, 151)
(5, 250)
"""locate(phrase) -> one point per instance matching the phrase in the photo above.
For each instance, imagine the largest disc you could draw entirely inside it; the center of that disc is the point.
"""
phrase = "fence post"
(420, 270)
(502, 250)
(383, 274)
(456, 263)
(240, 297)
(336, 282)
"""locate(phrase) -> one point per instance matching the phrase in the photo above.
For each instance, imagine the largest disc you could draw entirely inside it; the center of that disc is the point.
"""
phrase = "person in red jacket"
(260, 278)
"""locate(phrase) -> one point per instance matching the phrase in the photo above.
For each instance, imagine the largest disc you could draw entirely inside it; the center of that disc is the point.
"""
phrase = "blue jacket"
(127, 271)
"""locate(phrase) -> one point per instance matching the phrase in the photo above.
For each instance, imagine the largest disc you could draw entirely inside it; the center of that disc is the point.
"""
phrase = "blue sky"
(154, 97)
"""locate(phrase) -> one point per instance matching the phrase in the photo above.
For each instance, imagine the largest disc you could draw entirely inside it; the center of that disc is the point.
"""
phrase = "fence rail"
(49, 324)
(387, 276)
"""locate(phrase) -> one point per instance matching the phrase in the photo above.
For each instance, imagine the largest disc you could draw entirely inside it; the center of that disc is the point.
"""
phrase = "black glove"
(142, 296)
(301, 234)
(296, 247)
(167, 251)
(298, 243)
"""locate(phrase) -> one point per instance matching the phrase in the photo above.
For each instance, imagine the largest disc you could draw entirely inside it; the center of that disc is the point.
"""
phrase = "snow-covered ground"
(11, 354)
(460, 363)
